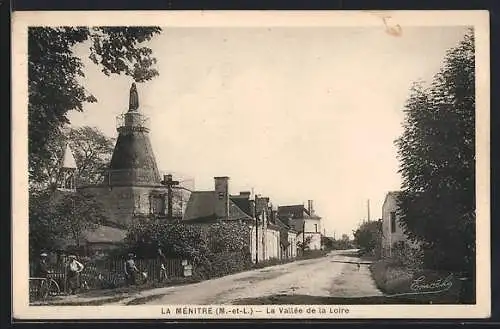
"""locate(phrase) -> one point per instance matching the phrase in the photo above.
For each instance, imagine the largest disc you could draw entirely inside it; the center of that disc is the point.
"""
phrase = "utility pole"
(303, 237)
(368, 205)
(256, 229)
(169, 182)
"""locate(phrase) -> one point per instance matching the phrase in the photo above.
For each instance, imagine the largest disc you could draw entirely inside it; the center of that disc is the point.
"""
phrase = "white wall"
(267, 248)
(313, 225)
(292, 247)
(315, 243)
(389, 237)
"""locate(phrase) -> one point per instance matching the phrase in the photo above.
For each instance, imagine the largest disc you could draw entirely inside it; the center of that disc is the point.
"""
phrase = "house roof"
(391, 194)
(243, 202)
(295, 212)
(201, 207)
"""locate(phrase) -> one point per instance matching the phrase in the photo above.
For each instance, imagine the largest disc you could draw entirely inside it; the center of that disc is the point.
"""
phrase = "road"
(336, 275)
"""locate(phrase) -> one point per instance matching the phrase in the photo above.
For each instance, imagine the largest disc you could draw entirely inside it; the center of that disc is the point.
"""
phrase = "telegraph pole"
(169, 182)
(368, 205)
(303, 237)
(256, 229)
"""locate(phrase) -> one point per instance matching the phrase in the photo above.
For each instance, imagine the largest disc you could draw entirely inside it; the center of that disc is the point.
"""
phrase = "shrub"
(405, 255)
(214, 249)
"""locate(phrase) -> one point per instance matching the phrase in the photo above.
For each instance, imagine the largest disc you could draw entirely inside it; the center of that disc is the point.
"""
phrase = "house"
(288, 237)
(219, 206)
(392, 231)
(304, 221)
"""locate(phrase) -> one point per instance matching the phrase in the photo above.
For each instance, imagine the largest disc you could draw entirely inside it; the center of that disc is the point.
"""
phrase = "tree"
(437, 162)
(306, 244)
(92, 150)
(58, 219)
(328, 243)
(53, 79)
(368, 237)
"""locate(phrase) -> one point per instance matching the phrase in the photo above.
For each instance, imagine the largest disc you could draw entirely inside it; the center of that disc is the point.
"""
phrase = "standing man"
(41, 271)
(74, 269)
(163, 264)
(131, 270)
(42, 268)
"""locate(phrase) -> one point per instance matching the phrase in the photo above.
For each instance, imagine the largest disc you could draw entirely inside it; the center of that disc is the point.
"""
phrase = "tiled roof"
(201, 207)
(295, 212)
(243, 203)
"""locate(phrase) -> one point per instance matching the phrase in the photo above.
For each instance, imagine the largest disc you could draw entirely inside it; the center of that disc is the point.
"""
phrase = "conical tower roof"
(68, 159)
(133, 161)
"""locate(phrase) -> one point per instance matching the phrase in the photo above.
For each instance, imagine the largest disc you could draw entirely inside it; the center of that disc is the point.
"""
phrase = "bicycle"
(46, 287)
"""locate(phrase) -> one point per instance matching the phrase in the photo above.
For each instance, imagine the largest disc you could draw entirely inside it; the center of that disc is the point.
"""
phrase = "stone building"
(132, 186)
(304, 221)
(392, 231)
(218, 205)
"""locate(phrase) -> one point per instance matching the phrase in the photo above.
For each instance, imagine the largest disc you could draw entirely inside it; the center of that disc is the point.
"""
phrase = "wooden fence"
(110, 273)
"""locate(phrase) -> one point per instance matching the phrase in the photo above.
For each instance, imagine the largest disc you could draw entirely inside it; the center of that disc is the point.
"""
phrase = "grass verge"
(416, 286)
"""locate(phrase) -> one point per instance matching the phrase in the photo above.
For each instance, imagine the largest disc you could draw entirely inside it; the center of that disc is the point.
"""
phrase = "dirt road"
(336, 275)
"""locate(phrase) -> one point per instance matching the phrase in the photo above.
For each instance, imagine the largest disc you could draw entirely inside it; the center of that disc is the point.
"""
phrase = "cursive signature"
(420, 284)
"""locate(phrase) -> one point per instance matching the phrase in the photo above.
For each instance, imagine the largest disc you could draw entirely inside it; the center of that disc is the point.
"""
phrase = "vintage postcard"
(251, 165)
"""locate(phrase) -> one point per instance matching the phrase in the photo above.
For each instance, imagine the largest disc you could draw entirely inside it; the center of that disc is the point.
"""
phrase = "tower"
(133, 162)
(66, 179)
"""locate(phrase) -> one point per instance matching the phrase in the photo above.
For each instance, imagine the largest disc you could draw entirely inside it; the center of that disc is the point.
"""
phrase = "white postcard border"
(20, 268)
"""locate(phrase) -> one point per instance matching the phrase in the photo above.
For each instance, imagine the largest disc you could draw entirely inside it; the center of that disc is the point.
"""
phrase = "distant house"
(304, 221)
(392, 231)
(288, 237)
(219, 206)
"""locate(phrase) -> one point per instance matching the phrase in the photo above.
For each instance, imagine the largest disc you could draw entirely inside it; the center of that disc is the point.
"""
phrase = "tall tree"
(58, 219)
(53, 79)
(93, 151)
(368, 236)
(90, 147)
(437, 162)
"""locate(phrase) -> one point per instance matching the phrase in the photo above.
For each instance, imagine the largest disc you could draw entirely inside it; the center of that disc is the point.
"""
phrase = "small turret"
(67, 172)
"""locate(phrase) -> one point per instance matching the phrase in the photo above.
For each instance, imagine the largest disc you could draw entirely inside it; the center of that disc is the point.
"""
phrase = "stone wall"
(122, 203)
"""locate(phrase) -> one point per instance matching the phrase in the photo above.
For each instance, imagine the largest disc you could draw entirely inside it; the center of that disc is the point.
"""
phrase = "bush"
(214, 249)
(405, 255)
(221, 264)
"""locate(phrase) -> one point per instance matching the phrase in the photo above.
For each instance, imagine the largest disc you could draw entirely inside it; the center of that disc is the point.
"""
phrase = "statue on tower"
(134, 98)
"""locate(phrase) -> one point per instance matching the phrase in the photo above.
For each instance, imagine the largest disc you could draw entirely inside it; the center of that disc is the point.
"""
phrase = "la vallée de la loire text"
(250, 311)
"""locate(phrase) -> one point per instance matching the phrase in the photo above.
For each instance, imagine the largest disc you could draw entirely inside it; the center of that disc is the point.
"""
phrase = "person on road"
(73, 273)
(131, 270)
(41, 271)
(163, 264)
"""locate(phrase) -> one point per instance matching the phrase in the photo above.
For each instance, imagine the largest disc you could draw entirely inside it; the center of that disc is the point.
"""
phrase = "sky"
(292, 113)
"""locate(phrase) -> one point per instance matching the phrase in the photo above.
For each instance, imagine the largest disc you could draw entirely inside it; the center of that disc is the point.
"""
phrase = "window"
(316, 228)
(393, 222)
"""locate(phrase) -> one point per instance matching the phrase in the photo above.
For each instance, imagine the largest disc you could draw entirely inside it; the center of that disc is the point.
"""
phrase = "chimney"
(245, 194)
(261, 204)
(310, 207)
(222, 197)
(252, 207)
